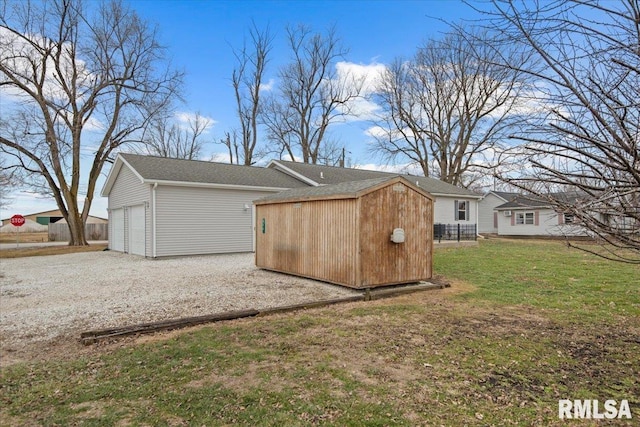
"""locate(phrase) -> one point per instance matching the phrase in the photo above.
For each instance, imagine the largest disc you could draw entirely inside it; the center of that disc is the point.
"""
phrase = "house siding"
(193, 221)
(444, 208)
(485, 213)
(129, 191)
(545, 224)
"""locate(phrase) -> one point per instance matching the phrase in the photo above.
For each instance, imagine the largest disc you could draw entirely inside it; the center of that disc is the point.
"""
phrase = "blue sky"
(200, 35)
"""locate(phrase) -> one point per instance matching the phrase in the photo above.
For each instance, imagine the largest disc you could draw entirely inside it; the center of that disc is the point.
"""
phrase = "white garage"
(116, 232)
(161, 207)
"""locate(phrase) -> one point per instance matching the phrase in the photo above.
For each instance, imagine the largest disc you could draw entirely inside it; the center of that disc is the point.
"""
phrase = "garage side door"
(137, 230)
(116, 239)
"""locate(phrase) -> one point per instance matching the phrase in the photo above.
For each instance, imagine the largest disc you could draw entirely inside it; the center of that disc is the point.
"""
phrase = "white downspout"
(153, 220)
(477, 219)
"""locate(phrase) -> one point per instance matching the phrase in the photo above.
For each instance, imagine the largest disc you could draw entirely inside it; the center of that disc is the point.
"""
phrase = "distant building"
(52, 217)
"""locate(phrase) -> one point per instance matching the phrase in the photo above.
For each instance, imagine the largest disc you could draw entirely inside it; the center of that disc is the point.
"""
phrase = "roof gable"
(328, 175)
(343, 190)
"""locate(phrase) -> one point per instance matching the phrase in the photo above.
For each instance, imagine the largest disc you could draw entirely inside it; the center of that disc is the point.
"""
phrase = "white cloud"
(21, 56)
(402, 168)
(367, 78)
(186, 120)
(219, 158)
(268, 87)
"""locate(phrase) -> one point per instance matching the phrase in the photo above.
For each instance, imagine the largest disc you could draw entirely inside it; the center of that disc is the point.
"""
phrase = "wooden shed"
(360, 234)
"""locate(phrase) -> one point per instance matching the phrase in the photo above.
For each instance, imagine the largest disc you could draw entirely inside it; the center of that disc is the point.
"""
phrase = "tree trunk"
(76, 230)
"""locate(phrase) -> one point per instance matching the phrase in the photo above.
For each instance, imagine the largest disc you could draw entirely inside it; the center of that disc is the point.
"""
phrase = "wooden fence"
(60, 232)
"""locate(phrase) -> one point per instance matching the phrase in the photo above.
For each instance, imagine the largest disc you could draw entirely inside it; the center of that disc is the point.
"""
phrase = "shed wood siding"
(347, 240)
(192, 221)
(382, 261)
(315, 239)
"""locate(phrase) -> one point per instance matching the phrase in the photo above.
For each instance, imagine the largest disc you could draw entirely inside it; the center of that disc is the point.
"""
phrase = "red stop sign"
(17, 220)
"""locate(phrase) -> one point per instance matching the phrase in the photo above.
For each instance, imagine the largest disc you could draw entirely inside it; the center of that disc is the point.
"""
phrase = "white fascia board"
(113, 173)
(213, 185)
(458, 196)
(293, 173)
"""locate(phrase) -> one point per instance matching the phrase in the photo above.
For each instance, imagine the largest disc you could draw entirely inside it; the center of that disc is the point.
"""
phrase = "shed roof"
(327, 175)
(343, 190)
(152, 169)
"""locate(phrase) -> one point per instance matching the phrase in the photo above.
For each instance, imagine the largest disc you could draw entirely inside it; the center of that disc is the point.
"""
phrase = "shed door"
(116, 240)
(137, 230)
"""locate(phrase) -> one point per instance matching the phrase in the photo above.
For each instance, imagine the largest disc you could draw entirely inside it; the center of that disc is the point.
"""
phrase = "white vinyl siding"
(547, 224)
(193, 221)
(486, 213)
(129, 191)
(444, 210)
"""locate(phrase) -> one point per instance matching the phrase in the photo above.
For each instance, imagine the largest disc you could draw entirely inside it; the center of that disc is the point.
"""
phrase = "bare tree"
(587, 64)
(8, 182)
(84, 83)
(247, 81)
(311, 95)
(230, 141)
(449, 108)
(180, 140)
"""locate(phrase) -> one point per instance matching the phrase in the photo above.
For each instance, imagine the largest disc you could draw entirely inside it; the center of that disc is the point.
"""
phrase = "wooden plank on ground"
(307, 305)
(380, 293)
(90, 337)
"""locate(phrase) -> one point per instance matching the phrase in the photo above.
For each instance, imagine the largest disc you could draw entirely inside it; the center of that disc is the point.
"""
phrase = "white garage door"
(116, 240)
(136, 230)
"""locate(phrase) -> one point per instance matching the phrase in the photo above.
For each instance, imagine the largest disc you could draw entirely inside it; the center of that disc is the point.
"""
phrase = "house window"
(569, 219)
(461, 210)
(525, 218)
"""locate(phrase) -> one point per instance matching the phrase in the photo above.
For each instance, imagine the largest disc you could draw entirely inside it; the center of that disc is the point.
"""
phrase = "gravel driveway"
(42, 298)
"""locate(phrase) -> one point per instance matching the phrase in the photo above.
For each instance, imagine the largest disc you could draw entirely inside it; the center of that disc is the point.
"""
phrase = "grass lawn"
(525, 323)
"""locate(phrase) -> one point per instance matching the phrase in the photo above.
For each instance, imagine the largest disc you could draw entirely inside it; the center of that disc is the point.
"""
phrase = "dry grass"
(523, 325)
(24, 237)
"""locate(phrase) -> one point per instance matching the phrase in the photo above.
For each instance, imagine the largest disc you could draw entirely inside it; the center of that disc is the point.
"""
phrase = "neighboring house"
(453, 205)
(487, 215)
(532, 216)
(162, 207)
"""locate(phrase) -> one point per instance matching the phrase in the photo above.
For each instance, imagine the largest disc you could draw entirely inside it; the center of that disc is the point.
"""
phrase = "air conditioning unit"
(507, 213)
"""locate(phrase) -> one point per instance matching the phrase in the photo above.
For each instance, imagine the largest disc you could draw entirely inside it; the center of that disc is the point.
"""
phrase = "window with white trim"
(461, 210)
(525, 218)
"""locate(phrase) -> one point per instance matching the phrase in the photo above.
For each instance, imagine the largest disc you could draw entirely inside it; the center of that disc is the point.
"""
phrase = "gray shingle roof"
(346, 189)
(176, 170)
(529, 201)
(506, 195)
(523, 202)
(334, 175)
